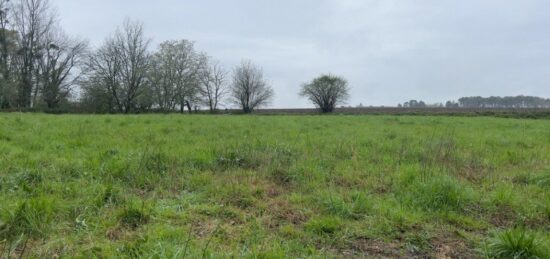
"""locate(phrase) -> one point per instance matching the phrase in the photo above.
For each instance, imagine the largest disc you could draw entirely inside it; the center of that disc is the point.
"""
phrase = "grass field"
(170, 186)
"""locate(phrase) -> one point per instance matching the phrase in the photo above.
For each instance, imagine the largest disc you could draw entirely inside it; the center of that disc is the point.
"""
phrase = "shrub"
(516, 244)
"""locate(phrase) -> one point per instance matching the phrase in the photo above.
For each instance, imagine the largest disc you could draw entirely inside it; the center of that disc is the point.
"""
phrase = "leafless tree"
(173, 75)
(59, 67)
(33, 20)
(103, 68)
(7, 50)
(122, 64)
(249, 90)
(212, 77)
(326, 92)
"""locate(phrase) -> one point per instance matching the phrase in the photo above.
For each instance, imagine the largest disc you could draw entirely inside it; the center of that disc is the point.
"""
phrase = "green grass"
(517, 244)
(170, 186)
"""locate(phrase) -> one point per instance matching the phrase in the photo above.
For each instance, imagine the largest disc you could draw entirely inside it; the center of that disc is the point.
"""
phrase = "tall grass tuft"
(324, 225)
(438, 194)
(356, 206)
(517, 244)
(133, 217)
(32, 218)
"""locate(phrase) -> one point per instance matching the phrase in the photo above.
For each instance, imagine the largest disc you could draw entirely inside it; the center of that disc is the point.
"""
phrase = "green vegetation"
(169, 186)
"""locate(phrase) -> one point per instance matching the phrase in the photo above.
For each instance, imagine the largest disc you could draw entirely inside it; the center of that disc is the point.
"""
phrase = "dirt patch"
(505, 216)
(450, 245)
(114, 234)
(282, 211)
(366, 248)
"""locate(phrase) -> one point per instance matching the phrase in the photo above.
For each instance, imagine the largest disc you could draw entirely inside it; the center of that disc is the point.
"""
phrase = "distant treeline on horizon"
(486, 102)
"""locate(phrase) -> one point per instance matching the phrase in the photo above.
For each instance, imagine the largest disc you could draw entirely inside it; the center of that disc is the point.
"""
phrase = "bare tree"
(122, 64)
(58, 67)
(7, 51)
(103, 67)
(249, 90)
(326, 92)
(33, 20)
(173, 75)
(212, 77)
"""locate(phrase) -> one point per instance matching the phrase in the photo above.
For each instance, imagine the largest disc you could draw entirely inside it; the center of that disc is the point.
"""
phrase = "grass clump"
(31, 218)
(356, 206)
(518, 244)
(109, 195)
(324, 225)
(133, 218)
(438, 194)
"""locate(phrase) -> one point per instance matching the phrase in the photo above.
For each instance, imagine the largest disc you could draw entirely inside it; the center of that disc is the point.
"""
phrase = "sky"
(390, 51)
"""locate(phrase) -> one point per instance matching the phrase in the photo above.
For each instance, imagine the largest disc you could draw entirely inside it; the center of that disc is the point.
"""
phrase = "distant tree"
(326, 92)
(174, 75)
(451, 104)
(8, 51)
(504, 102)
(249, 89)
(95, 97)
(121, 66)
(415, 104)
(33, 20)
(212, 78)
(62, 56)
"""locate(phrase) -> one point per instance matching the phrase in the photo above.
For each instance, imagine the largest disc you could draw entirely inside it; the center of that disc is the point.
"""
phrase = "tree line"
(485, 102)
(504, 102)
(43, 68)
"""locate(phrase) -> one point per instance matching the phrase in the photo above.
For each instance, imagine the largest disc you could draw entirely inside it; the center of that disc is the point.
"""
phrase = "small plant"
(324, 225)
(516, 244)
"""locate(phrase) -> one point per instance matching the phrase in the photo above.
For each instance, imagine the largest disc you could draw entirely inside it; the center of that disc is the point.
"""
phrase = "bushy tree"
(173, 75)
(326, 92)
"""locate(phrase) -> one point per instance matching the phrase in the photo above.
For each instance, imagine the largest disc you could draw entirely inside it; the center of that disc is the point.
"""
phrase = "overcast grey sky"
(389, 50)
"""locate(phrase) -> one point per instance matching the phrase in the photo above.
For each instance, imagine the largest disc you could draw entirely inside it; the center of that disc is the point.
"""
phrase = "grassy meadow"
(172, 186)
